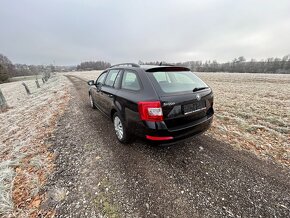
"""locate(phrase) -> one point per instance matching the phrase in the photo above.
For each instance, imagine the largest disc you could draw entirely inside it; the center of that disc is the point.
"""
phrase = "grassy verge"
(24, 157)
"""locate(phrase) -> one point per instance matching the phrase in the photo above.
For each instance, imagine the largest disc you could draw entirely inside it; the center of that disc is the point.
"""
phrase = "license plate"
(194, 107)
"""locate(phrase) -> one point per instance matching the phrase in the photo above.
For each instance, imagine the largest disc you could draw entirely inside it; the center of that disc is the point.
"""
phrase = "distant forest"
(93, 65)
(8, 69)
(238, 65)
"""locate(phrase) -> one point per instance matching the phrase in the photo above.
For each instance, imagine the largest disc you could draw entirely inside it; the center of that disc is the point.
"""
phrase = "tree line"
(93, 65)
(8, 69)
(238, 65)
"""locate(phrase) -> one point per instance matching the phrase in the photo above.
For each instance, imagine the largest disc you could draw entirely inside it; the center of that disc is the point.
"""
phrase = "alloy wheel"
(118, 128)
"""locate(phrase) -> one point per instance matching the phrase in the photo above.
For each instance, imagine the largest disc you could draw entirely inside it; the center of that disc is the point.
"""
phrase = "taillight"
(150, 110)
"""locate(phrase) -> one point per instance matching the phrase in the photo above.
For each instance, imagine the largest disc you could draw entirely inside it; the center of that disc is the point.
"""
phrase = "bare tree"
(3, 73)
(7, 65)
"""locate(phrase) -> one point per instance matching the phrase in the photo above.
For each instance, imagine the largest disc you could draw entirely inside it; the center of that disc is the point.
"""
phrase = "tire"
(121, 130)
(92, 102)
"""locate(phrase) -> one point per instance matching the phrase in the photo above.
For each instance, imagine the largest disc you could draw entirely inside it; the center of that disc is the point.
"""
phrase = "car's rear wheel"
(121, 130)
(92, 102)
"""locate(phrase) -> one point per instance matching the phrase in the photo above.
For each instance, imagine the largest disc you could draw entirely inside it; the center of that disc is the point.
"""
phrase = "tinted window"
(130, 81)
(162, 77)
(111, 77)
(180, 81)
(184, 78)
(101, 78)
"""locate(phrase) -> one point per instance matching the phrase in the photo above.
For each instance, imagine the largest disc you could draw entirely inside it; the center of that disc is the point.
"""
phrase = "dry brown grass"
(253, 112)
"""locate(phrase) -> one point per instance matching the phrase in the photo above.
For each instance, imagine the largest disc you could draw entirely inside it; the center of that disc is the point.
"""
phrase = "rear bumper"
(174, 135)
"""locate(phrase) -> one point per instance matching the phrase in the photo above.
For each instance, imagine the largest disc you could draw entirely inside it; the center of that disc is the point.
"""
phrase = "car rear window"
(177, 81)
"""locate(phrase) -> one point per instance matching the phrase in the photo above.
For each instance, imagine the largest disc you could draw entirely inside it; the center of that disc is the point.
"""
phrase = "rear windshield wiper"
(200, 88)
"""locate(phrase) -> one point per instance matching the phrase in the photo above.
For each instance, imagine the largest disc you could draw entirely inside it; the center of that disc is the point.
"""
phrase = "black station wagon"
(159, 103)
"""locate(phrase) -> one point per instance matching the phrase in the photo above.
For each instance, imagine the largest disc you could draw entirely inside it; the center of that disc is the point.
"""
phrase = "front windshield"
(180, 81)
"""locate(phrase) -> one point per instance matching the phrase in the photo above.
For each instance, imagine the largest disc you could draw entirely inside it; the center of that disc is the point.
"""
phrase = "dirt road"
(98, 177)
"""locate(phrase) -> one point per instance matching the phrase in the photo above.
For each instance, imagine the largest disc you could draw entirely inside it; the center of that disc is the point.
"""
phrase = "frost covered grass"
(24, 158)
(252, 112)
(15, 93)
(6, 182)
(24, 78)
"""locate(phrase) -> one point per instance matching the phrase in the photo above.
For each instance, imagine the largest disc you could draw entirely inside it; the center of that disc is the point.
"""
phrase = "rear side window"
(130, 81)
(111, 77)
(177, 81)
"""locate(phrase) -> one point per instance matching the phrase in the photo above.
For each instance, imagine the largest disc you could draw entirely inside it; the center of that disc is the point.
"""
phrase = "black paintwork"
(176, 124)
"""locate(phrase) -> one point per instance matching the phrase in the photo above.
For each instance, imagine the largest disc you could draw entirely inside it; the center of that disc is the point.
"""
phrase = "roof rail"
(128, 64)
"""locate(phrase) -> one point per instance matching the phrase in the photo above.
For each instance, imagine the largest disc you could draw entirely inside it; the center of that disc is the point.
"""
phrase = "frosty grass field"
(252, 112)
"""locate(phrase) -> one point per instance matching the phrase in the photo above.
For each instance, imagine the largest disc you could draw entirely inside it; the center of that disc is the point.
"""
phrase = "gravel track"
(95, 176)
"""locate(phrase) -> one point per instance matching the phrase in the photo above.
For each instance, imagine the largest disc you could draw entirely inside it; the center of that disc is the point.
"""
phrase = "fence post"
(3, 103)
(37, 83)
(26, 88)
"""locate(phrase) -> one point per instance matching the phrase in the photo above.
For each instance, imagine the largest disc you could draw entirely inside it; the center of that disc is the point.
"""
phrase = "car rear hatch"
(185, 99)
(184, 111)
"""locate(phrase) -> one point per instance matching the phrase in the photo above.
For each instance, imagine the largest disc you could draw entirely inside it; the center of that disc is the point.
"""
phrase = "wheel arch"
(113, 111)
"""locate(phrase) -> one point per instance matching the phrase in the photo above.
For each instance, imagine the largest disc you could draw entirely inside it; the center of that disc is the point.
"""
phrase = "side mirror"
(99, 85)
(91, 82)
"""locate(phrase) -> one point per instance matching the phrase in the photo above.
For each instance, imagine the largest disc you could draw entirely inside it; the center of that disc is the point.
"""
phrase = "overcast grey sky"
(71, 31)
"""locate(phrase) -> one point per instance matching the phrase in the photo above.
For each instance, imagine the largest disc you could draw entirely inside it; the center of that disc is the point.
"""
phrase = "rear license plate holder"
(193, 107)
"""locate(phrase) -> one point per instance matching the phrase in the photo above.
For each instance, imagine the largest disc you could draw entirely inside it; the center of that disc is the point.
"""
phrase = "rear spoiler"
(167, 69)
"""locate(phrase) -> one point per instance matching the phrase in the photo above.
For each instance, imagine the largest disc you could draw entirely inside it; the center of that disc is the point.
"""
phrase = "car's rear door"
(95, 91)
(108, 90)
(130, 92)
